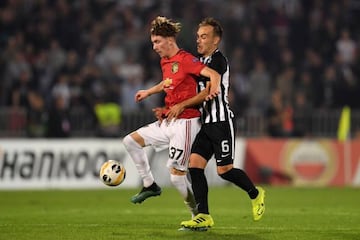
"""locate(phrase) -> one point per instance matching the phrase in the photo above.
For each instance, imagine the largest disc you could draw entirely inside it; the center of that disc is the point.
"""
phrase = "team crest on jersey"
(175, 67)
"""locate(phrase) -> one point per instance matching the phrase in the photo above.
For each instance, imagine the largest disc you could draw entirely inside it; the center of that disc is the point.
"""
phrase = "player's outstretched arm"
(142, 94)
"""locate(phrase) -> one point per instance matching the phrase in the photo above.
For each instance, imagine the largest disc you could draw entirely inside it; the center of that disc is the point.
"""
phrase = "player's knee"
(130, 143)
(127, 141)
(226, 175)
(134, 139)
(177, 176)
(224, 169)
(177, 172)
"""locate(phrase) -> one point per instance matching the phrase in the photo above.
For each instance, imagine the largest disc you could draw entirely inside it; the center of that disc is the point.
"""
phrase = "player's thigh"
(223, 140)
(153, 134)
(182, 134)
(202, 147)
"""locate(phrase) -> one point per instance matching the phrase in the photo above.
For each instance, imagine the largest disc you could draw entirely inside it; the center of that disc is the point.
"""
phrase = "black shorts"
(216, 139)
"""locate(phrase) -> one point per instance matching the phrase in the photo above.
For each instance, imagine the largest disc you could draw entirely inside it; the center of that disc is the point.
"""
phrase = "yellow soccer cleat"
(258, 204)
(200, 222)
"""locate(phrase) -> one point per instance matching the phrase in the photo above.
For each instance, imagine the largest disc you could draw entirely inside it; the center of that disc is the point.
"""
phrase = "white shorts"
(178, 135)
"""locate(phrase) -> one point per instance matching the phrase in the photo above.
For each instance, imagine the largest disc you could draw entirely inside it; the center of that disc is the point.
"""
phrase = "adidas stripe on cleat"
(199, 222)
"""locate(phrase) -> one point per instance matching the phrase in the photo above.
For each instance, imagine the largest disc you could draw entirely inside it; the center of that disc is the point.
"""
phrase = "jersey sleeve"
(219, 63)
(192, 64)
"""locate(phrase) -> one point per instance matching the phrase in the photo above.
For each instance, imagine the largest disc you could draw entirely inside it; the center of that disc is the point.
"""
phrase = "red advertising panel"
(302, 162)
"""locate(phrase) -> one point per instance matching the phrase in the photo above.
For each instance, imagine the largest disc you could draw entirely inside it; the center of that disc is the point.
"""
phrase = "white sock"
(182, 184)
(140, 159)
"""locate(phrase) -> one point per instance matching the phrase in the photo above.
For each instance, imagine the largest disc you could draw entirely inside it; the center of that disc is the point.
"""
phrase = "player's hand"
(158, 112)
(174, 112)
(140, 95)
(212, 94)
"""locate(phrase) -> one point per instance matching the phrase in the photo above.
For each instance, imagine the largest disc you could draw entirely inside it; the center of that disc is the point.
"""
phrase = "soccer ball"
(112, 173)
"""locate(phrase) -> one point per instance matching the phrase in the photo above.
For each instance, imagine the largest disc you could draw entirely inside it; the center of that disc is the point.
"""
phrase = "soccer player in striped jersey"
(216, 136)
(179, 69)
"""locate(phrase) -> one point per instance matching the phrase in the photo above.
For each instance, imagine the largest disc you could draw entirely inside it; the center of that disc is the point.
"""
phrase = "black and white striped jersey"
(216, 110)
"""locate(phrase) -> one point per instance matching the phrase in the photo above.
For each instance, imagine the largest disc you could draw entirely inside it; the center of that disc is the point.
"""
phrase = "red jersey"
(179, 74)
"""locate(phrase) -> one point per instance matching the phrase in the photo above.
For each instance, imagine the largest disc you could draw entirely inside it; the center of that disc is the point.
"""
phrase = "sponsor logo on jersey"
(167, 83)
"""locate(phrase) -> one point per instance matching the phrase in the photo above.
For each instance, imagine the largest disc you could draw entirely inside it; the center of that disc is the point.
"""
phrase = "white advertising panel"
(75, 163)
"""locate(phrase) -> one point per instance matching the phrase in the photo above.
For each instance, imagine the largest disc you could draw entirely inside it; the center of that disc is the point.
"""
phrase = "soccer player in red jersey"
(179, 69)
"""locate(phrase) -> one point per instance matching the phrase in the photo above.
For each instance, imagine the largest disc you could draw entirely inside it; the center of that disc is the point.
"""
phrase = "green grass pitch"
(291, 213)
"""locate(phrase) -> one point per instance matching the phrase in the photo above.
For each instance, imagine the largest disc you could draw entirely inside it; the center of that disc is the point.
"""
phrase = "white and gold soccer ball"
(112, 173)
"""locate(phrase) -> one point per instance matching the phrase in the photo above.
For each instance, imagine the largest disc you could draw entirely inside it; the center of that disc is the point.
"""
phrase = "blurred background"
(71, 68)
(69, 71)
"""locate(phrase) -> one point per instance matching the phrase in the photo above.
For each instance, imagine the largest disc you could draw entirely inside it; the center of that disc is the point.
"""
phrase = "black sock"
(241, 179)
(200, 189)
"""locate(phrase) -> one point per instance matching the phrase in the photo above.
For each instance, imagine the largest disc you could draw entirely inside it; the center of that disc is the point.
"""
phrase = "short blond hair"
(209, 21)
(162, 26)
